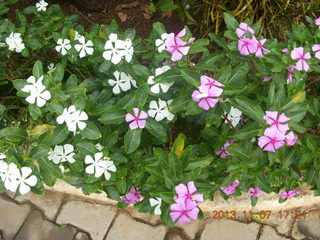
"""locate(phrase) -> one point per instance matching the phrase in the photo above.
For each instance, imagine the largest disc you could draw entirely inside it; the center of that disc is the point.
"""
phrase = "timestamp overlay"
(261, 215)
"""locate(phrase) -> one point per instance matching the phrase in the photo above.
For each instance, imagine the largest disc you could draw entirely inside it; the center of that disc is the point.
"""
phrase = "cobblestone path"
(56, 216)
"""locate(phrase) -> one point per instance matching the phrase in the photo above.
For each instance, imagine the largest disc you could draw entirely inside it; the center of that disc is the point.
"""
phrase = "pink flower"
(230, 188)
(243, 29)
(297, 53)
(266, 79)
(208, 81)
(290, 193)
(290, 74)
(317, 21)
(291, 138)
(132, 197)
(247, 46)
(184, 211)
(137, 119)
(260, 49)
(285, 50)
(254, 192)
(206, 96)
(316, 48)
(272, 140)
(222, 153)
(186, 192)
(273, 120)
(176, 46)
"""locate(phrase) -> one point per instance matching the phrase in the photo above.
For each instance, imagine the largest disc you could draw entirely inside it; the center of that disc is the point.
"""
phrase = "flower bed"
(159, 123)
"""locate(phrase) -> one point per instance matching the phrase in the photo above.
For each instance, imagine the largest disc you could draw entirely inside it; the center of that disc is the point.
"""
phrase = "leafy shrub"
(144, 120)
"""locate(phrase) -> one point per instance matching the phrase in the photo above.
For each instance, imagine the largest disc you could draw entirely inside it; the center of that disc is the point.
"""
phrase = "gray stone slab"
(81, 236)
(307, 227)
(268, 233)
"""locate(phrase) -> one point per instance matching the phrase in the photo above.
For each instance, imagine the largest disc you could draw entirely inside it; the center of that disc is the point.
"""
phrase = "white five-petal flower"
(42, 6)
(98, 166)
(37, 91)
(25, 181)
(157, 86)
(156, 202)
(234, 116)
(73, 118)
(159, 110)
(2, 156)
(84, 47)
(8, 175)
(115, 49)
(77, 36)
(63, 46)
(123, 82)
(51, 68)
(161, 43)
(62, 154)
(128, 50)
(99, 146)
(15, 43)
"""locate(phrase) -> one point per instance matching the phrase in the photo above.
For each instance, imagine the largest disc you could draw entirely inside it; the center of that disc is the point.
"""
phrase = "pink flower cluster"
(275, 136)
(298, 54)
(223, 152)
(250, 45)
(208, 93)
(177, 47)
(137, 120)
(132, 197)
(289, 194)
(230, 188)
(254, 192)
(187, 201)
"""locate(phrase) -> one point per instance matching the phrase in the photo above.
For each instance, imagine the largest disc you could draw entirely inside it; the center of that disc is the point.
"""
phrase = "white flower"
(128, 50)
(62, 154)
(84, 47)
(156, 86)
(99, 146)
(51, 68)
(156, 202)
(41, 6)
(63, 46)
(73, 118)
(98, 166)
(161, 43)
(2, 156)
(234, 116)
(123, 82)
(25, 180)
(9, 174)
(114, 49)
(14, 42)
(37, 91)
(159, 110)
(77, 36)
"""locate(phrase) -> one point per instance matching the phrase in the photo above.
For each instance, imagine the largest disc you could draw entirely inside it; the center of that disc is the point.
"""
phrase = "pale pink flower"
(207, 96)
(291, 138)
(176, 46)
(222, 153)
(210, 82)
(243, 29)
(247, 46)
(298, 53)
(138, 119)
(317, 21)
(272, 119)
(290, 74)
(272, 140)
(184, 211)
(260, 49)
(254, 192)
(316, 48)
(132, 196)
(290, 193)
(266, 79)
(285, 50)
(187, 192)
(230, 188)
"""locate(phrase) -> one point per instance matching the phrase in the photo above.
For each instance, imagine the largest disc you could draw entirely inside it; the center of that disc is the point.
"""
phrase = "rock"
(174, 236)
(192, 227)
(308, 227)
(81, 236)
(92, 218)
(36, 228)
(145, 217)
(91, 5)
(126, 228)
(268, 233)
(228, 229)
(12, 217)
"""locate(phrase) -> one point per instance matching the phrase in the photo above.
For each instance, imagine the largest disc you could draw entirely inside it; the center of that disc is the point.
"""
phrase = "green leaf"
(191, 77)
(33, 43)
(239, 73)
(167, 5)
(132, 140)
(178, 144)
(13, 134)
(60, 133)
(199, 162)
(220, 41)
(34, 111)
(40, 151)
(250, 108)
(139, 99)
(230, 21)
(156, 129)
(224, 74)
(58, 73)
(49, 172)
(105, 66)
(37, 70)
(209, 62)
(91, 131)
(175, 167)
(155, 172)
(113, 117)
(199, 46)
(247, 132)
(179, 104)
(141, 70)
(263, 184)
(86, 148)
(193, 108)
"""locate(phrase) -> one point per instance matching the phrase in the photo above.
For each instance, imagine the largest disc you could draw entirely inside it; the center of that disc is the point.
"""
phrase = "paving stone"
(49, 202)
(192, 227)
(12, 217)
(81, 236)
(146, 217)
(126, 228)
(308, 227)
(174, 236)
(268, 233)
(92, 218)
(228, 229)
(37, 228)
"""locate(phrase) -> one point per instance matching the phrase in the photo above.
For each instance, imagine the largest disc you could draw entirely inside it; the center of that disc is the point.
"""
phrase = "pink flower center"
(273, 140)
(136, 118)
(276, 122)
(183, 212)
(188, 195)
(176, 47)
(224, 150)
(246, 43)
(211, 83)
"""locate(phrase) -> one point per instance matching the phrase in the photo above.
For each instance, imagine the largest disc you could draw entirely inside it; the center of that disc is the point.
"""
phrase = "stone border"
(237, 203)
